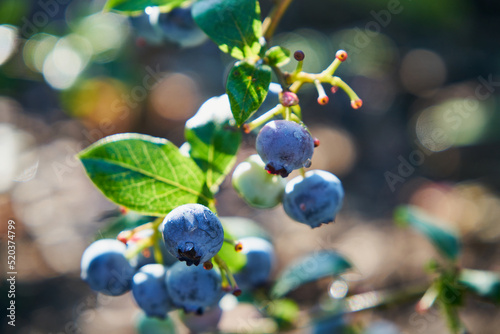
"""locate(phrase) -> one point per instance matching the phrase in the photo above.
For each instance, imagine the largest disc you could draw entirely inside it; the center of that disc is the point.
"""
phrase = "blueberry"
(314, 199)
(193, 288)
(260, 260)
(257, 187)
(150, 290)
(179, 27)
(284, 146)
(192, 233)
(105, 268)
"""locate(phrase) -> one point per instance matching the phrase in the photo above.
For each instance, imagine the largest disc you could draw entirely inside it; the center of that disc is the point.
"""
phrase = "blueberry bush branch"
(292, 82)
(271, 22)
(174, 251)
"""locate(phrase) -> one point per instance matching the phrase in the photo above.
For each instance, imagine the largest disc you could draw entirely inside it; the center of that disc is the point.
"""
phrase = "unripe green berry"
(255, 185)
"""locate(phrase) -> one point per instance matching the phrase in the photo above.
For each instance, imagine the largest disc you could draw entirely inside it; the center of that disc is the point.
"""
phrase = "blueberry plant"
(169, 247)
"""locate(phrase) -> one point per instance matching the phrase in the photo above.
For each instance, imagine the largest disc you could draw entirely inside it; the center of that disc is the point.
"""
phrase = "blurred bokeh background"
(427, 134)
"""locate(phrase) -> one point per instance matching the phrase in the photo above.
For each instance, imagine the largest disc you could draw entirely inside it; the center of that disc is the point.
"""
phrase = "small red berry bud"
(246, 128)
(237, 292)
(323, 100)
(123, 210)
(341, 55)
(289, 99)
(334, 89)
(299, 55)
(238, 247)
(357, 104)
(316, 142)
(207, 265)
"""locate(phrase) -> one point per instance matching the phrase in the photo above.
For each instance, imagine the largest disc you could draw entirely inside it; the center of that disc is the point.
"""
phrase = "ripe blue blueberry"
(192, 233)
(105, 268)
(314, 199)
(284, 146)
(193, 288)
(150, 290)
(257, 187)
(260, 260)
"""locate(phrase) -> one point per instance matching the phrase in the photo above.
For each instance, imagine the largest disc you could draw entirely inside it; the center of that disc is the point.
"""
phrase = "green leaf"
(135, 7)
(143, 173)
(446, 241)
(310, 268)
(213, 140)
(483, 283)
(278, 56)
(234, 25)
(121, 223)
(234, 260)
(247, 87)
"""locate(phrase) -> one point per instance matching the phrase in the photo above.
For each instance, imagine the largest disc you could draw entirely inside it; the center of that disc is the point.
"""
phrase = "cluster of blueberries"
(283, 146)
(192, 234)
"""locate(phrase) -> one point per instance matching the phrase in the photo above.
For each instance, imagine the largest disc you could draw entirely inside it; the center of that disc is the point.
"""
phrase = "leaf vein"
(151, 175)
